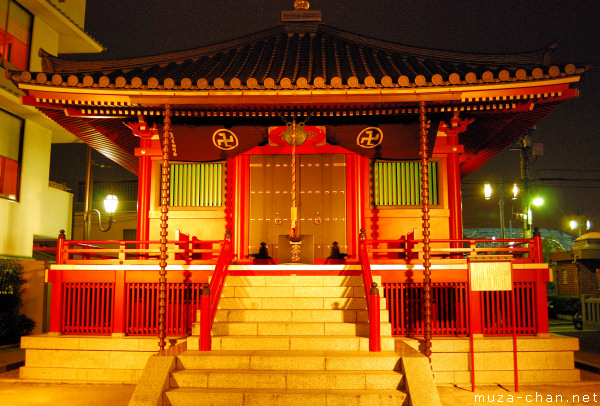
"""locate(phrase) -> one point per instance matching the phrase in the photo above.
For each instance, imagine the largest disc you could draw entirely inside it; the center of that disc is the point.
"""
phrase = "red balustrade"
(371, 295)
(125, 301)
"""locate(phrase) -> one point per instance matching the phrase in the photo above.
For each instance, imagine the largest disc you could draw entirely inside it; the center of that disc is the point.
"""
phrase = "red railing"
(371, 296)
(408, 249)
(111, 300)
(88, 308)
(180, 252)
(493, 311)
(210, 297)
(183, 301)
(450, 311)
(124, 299)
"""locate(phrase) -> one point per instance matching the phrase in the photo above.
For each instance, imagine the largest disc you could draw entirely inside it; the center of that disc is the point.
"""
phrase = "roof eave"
(441, 94)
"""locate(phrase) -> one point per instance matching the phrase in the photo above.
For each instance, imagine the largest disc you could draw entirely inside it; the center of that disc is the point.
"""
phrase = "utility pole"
(89, 185)
(527, 150)
(525, 204)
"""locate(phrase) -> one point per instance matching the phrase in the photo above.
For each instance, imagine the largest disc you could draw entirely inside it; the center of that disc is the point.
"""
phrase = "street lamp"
(487, 192)
(578, 224)
(110, 206)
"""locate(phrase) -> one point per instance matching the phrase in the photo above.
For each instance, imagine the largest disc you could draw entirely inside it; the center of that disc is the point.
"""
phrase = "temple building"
(292, 168)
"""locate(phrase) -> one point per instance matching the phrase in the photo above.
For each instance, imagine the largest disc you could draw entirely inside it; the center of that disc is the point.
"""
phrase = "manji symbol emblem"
(370, 137)
(225, 139)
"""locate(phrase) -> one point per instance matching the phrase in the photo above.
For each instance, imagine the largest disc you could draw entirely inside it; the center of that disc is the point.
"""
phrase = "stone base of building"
(547, 359)
(87, 358)
(122, 359)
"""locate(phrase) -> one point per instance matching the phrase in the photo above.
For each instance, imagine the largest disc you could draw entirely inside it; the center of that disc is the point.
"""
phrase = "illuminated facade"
(299, 136)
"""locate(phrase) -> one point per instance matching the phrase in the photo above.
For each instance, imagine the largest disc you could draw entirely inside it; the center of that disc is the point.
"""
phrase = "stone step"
(330, 303)
(291, 343)
(295, 329)
(228, 397)
(283, 379)
(295, 315)
(294, 291)
(298, 280)
(286, 360)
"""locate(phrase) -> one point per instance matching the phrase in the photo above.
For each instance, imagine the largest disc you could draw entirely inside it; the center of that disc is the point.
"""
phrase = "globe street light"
(110, 206)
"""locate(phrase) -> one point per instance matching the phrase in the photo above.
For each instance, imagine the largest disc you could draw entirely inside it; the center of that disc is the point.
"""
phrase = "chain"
(164, 210)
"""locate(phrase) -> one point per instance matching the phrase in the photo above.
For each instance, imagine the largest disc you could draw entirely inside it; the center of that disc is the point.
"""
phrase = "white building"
(29, 207)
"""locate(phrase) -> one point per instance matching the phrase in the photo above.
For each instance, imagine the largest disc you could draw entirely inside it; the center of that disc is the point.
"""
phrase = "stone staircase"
(287, 340)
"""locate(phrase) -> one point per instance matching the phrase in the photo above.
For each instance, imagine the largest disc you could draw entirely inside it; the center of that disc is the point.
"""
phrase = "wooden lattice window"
(197, 185)
(397, 183)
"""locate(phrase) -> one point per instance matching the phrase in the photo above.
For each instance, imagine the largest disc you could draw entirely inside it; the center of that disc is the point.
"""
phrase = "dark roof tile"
(328, 53)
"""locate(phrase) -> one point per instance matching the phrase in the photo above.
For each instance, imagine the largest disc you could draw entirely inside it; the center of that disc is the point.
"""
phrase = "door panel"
(321, 200)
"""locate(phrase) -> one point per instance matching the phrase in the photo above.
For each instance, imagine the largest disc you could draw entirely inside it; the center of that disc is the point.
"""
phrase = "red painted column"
(119, 319)
(454, 195)
(453, 151)
(244, 206)
(476, 305)
(351, 217)
(149, 148)
(237, 209)
(357, 185)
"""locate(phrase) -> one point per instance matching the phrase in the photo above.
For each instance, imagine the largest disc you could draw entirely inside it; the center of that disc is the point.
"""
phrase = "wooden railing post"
(205, 318)
(374, 319)
(119, 327)
(60, 248)
(537, 254)
(55, 277)
(371, 294)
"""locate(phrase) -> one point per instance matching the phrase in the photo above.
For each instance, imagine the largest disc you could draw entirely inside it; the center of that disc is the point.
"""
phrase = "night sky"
(129, 28)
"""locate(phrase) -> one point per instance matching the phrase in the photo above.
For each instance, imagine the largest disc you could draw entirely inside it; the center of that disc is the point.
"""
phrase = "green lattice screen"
(196, 185)
(398, 183)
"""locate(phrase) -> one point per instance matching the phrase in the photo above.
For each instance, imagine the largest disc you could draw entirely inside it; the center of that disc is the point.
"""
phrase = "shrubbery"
(565, 304)
(12, 324)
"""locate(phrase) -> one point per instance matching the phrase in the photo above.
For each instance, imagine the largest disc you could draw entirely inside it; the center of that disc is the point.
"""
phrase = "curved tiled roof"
(279, 59)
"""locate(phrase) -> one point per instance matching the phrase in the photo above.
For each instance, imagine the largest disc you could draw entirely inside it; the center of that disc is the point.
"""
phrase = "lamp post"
(110, 207)
(110, 202)
(487, 189)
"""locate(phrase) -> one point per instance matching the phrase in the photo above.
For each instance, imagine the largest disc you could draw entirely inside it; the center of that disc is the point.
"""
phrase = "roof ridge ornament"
(301, 4)
(301, 19)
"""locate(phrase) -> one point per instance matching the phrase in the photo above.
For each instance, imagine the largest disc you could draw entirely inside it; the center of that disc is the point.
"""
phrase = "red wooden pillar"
(476, 305)
(453, 151)
(357, 173)
(119, 319)
(454, 196)
(238, 204)
(149, 147)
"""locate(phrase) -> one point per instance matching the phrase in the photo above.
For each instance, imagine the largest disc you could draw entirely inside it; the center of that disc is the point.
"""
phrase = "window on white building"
(11, 139)
(15, 34)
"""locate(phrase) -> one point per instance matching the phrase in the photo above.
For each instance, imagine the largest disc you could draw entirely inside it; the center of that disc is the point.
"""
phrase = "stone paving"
(16, 392)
